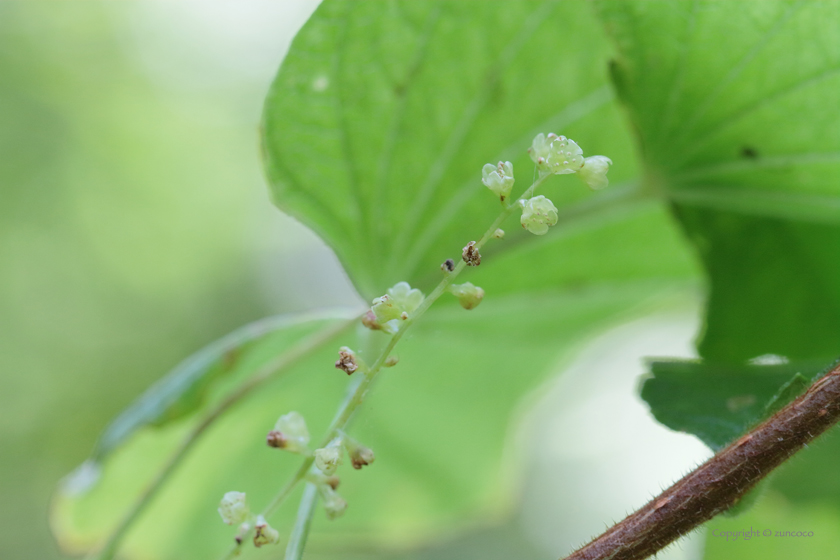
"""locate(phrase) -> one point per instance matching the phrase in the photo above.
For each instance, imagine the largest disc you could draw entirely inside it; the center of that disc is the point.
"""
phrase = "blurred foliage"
(375, 131)
(127, 240)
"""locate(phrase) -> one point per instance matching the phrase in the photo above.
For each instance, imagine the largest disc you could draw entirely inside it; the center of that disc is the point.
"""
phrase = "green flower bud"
(594, 171)
(468, 295)
(334, 504)
(539, 152)
(538, 214)
(360, 455)
(498, 178)
(233, 508)
(328, 458)
(290, 433)
(265, 533)
(396, 305)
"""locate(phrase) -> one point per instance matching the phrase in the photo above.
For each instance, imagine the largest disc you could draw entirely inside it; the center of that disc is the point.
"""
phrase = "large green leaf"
(382, 115)
(375, 133)
(719, 403)
(733, 105)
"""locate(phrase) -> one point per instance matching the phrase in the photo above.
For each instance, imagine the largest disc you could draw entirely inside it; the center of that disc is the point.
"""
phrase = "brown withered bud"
(448, 265)
(369, 320)
(471, 255)
(346, 360)
(275, 438)
(361, 456)
(333, 482)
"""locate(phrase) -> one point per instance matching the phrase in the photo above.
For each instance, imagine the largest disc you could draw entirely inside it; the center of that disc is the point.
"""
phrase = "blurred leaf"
(729, 102)
(184, 390)
(718, 403)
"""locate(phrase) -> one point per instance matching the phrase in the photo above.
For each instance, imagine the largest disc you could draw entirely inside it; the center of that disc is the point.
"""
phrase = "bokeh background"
(135, 227)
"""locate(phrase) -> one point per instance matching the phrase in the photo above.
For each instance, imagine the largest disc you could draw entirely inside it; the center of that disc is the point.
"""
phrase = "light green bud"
(264, 533)
(594, 171)
(290, 433)
(539, 152)
(556, 154)
(233, 508)
(328, 458)
(396, 305)
(334, 504)
(498, 178)
(468, 295)
(538, 214)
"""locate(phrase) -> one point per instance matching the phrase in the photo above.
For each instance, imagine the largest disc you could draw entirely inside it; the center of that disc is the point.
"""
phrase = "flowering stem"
(360, 389)
(297, 541)
(279, 364)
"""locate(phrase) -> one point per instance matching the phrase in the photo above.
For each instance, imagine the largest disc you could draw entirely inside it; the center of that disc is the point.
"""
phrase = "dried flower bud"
(243, 530)
(594, 171)
(346, 360)
(538, 214)
(448, 265)
(276, 439)
(233, 508)
(289, 433)
(498, 178)
(334, 504)
(471, 255)
(265, 533)
(328, 458)
(498, 234)
(469, 296)
(391, 361)
(362, 456)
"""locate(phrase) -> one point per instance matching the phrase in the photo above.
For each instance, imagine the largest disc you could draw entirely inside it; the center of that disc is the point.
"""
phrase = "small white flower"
(334, 504)
(290, 433)
(555, 154)
(233, 508)
(265, 533)
(469, 296)
(395, 306)
(538, 214)
(498, 178)
(594, 171)
(328, 458)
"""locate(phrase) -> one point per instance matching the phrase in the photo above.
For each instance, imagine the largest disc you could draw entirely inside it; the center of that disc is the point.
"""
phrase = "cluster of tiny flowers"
(291, 427)
(559, 155)
(234, 510)
(387, 312)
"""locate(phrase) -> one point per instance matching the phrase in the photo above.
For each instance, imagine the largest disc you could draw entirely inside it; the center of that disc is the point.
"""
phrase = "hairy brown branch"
(720, 482)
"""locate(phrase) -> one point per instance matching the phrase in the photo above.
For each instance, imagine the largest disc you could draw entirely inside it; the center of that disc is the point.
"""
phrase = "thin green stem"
(279, 364)
(359, 391)
(297, 541)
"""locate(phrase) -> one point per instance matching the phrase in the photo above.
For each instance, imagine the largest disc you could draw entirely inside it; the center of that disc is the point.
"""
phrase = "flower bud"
(328, 458)
(289, 433)
(538, 214)
(471, 255)
(539, 152)
(334, 504)
(233, 508)
(594, 171)
(498, 178)
(395, 306)
(391, 361)
(346, 360)
(265, 533)
(498, 234)
(447, 266)
(468, 295)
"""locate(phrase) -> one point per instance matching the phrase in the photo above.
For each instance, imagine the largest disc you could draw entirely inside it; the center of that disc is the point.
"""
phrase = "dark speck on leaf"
(749, 152)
